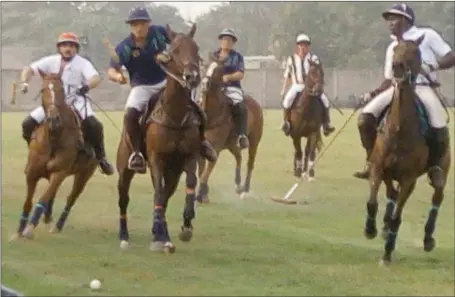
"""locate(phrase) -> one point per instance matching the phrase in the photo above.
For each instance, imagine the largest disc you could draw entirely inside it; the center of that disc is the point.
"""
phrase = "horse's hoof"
(15, 237)
(429, 244)
(47, 220)
(157, 246)
(384, 263)
(203, 200)
(54, 230)
(238, 189)
(124, 245)
(370, 234)
(169, 248)
(199, 198)
(186, 234)
(244, 195)
(28, 232)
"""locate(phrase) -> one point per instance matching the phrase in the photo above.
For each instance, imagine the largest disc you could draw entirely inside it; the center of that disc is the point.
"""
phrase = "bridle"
(180, 78)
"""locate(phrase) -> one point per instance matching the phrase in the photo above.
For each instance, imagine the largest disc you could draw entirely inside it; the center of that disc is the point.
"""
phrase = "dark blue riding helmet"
(138, 14)
(401, 9)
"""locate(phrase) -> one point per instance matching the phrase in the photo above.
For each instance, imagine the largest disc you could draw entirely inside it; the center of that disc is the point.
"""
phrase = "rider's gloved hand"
(163, 57)
(365, 98)
(24, 87)
(82, 90)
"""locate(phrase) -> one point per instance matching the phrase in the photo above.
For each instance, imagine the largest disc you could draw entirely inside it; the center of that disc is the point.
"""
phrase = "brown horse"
(221, 134)
(306, 118)
(55, 153)
(400, 153)
(172, 144)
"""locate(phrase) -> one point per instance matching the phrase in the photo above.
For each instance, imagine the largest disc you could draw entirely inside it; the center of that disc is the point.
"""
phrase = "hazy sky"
(191, 10)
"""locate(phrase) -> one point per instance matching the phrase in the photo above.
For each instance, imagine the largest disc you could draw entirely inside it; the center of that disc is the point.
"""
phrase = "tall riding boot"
(94, 134)
(136, 160)
(240, 114)
(28, 126)
(327, 126)
(286, 128)
(438, 141)
(367, 130)
(207, 150)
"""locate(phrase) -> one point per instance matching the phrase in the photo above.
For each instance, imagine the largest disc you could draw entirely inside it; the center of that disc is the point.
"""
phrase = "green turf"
(240, 247)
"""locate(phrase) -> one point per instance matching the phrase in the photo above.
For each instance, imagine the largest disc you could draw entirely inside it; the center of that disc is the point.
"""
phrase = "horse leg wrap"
(22, 222)
(431, 221)
(28, 126)
(189, 213)
(40, 207)
(159, 229)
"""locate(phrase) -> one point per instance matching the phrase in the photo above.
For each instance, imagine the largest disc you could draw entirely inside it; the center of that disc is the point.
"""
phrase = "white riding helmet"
(228, 32)
(303, 38)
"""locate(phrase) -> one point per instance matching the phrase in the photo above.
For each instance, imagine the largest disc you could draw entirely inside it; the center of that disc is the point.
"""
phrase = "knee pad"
(29, 123)
(366, 120)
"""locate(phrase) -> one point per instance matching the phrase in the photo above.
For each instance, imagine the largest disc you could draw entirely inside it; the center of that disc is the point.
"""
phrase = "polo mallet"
(111, 50)
(287, 197)
(13, 93)
(336, 106)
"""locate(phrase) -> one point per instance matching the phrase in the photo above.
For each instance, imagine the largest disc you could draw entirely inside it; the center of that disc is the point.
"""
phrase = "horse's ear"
(170, 33)
(419, 40)
(192, 31)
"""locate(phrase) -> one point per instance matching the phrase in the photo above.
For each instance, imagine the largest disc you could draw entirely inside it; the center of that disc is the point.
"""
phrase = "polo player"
(297, 67)
(234, 72)
(78, 76)
(140, 53)
(436, 54)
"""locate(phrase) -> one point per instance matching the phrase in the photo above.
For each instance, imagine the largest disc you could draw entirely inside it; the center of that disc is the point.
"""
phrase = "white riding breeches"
(234, 93)
(430, 100)
(292, 94)
(82, 106)
(139, 96)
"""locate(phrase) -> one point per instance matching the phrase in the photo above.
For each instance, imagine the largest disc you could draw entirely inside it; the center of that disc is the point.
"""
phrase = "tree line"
(344, 34)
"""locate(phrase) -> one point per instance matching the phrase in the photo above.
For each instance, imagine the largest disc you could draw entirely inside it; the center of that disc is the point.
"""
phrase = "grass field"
(240, 247)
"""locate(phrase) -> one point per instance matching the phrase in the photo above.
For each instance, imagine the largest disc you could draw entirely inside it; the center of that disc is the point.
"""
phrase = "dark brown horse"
(400, 153)
(172, 144)
(221, 134)
(306, 118)
(54, 153)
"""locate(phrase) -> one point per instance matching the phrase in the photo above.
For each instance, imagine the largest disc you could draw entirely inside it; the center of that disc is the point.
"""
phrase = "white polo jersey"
(433, 47)
(296, 66)
(75, 73)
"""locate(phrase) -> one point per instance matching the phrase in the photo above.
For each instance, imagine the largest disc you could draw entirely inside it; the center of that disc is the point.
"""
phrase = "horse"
(171, 144)
(57, 150)
(221, 133)
(306, 118)
(400, 153)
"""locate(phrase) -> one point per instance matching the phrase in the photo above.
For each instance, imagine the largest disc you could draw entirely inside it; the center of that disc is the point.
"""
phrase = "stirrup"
(131, 158)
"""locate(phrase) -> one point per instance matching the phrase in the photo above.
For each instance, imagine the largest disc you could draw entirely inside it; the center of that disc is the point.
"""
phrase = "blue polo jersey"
(233, 63)
(140, 62)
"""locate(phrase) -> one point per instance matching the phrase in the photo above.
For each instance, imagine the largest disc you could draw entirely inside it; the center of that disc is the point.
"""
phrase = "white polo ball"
(95, 284)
